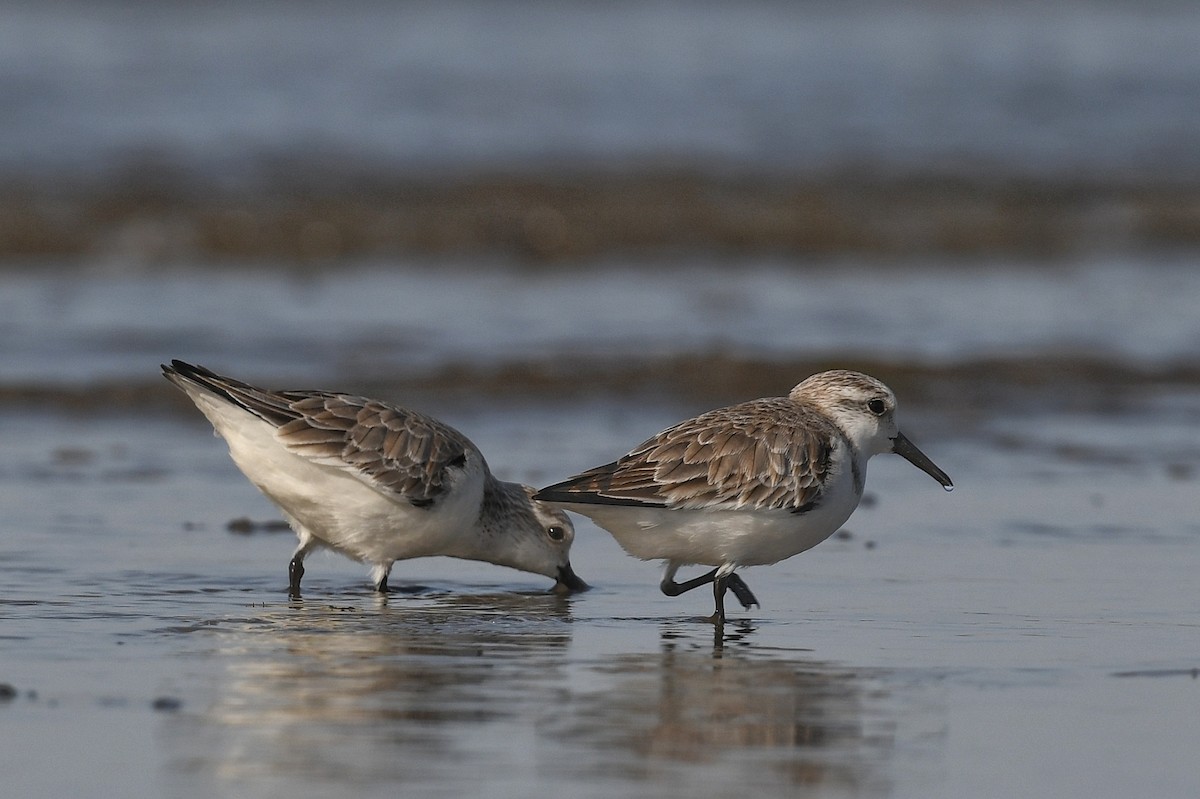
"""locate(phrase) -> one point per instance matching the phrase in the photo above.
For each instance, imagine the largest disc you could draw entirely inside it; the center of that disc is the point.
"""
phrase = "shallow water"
(312, 91)
(1007, 638)
(410, 320)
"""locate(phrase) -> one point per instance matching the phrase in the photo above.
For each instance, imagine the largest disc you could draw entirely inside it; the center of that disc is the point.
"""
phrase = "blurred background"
(525, 194)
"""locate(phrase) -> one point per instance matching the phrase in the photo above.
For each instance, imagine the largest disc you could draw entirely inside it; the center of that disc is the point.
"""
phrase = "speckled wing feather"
(404, 452)
(393, 449)
(767, 453)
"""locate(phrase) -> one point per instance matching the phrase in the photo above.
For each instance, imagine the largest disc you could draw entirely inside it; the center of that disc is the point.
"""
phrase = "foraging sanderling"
(746, 485)
(377, 482)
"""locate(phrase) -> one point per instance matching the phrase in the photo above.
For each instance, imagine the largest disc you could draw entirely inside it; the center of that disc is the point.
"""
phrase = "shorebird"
(747, 485)
(377, 482)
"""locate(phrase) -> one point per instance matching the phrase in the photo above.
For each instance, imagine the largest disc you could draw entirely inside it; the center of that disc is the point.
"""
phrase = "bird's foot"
(742, 591)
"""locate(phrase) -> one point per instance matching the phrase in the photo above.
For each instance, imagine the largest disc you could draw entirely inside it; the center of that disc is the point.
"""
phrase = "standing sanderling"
(376, 482)
(746, 485)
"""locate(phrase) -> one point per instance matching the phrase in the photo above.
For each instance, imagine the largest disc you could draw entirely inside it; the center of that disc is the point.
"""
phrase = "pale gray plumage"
(423, 488)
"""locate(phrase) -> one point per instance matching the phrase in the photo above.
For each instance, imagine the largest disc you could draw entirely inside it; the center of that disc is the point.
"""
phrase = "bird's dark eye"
(877, 406)
(556, 533)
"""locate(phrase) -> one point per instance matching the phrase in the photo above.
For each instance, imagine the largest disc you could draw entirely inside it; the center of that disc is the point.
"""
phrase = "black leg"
(720, 584)
(381, 586)
(672, 588)
(734, 583)
(295, 572)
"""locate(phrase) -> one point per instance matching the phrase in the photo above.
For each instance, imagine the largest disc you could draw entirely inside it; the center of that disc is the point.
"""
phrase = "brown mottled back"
(403, 451)
(766, 453)
(394, 449)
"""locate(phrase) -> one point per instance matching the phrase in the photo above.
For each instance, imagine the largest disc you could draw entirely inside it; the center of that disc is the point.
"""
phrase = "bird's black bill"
(908, 450)
(568, 581)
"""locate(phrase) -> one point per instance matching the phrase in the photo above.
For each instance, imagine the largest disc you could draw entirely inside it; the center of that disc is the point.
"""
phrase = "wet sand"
(1005, 638)
(563, 218)
(1002, 639)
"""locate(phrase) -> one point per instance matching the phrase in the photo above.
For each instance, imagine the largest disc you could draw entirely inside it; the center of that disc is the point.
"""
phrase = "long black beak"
(568, 581)
(908, 450)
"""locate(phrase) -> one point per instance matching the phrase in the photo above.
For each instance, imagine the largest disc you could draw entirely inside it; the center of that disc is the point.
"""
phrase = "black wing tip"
(581, 490)
(573, 489)
(182, 373)
(178, 368)
(563, 495)
(555, 493)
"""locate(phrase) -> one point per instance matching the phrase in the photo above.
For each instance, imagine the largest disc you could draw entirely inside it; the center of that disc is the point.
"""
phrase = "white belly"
(714, 537)
(337, 508)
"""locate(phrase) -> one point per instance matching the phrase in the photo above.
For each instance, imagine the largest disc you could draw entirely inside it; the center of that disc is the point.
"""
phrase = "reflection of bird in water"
(716, 725)
(316, 695)
(746, 485)
(494, 696)
(376, 482)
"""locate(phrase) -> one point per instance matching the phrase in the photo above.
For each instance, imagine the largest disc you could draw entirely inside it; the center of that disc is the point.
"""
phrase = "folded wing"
(764, 454)
(395, 450)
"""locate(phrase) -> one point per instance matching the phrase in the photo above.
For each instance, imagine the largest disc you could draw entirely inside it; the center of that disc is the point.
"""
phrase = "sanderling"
(376, 482)
(746, 485)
